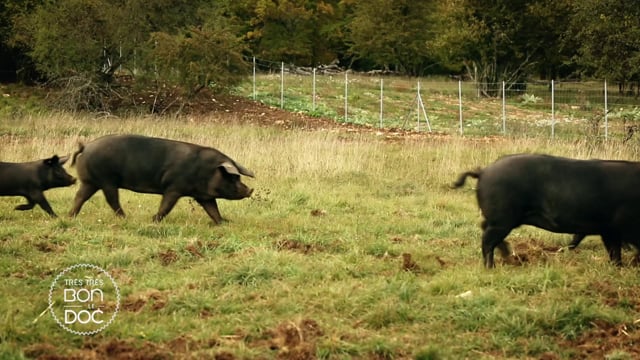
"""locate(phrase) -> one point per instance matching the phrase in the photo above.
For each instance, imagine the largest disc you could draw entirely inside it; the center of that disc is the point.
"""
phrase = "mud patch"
(121, 277)
(182, 347)
(318, 212)
(38, 351)
(48, 247)
(136, 302)
(605, 339)
(297, 246)
(290, 340)
(429, 265)
(168, 257)
(408, 264)
(123, 349)
(195, 249)
(531, 250)
(609, 295)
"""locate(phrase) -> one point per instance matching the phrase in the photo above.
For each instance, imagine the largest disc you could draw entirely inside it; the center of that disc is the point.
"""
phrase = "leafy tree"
(15, 63)
(553, 56)
(282, 31)
(608, 36)
(198, 57)
(81, 45)
(68, 41)
(134, 22)
(304, 32)
(69, 38)
(393, 34)
(501, 40)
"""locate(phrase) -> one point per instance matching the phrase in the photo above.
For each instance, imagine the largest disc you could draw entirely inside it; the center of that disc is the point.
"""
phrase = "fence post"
(460, 103)
(504, 111)
(313, 86)
(282, 85)
(606, 112)
(346, 94)
(254, 78)
(418, 105)
(553, 110)
(381, 99)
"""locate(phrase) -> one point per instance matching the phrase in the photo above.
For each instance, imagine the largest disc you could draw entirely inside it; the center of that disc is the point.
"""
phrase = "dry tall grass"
(322, 242)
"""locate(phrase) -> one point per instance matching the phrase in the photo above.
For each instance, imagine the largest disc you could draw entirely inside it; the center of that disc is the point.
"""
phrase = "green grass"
(321, 242)
(579, 107)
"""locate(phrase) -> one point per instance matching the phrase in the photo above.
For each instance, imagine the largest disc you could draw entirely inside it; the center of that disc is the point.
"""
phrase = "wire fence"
(449, 105)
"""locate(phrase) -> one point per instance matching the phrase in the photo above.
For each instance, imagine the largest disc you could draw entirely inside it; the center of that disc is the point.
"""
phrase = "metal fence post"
(346, 94)
(418, 105)
(282, 85)
(313, 85)
(553, 110)
(460, 104)
(606, 112)
(254, 79)
(381, 99)
(504, 111)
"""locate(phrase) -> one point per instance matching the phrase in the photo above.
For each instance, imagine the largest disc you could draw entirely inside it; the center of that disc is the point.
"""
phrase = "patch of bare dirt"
(121, 277)
(136, 302)
(531, 250)
(195, 249)
(47, 247)
(605, 338)
(292, 340)
(408, 264)
(182, 347)
(428, 265)
(236, 109)
(168, 257)
(297, 246)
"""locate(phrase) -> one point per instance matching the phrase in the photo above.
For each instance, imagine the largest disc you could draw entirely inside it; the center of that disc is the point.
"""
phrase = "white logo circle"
(81, 299)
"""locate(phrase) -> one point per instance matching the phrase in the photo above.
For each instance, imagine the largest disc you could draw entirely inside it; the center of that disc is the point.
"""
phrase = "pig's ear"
(54, 160)
(230, 168)
(236, 170)
(244, 171)
(63, 160)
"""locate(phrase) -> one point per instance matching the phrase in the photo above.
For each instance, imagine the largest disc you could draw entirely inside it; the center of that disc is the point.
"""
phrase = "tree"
(500, 40)
(15, 63)
(208, 56)
(393, 34)
(608, 36)
(553, 57)
(84, 45)
(304, 32)
(69, 38)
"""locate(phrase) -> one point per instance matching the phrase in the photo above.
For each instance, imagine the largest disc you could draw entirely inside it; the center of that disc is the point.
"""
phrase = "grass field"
(577, 109)
(351, 247)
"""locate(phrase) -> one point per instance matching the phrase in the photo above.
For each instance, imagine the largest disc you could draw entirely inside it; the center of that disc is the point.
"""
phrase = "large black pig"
(582, 197)
(31, 179)
(157, 166)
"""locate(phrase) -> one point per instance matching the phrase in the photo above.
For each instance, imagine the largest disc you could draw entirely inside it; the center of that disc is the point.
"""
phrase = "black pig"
(31, 179)
(150, 165)
(581, 197)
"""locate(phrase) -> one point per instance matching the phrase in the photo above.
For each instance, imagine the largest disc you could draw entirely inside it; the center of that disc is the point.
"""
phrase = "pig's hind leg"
(113, 199)
(167, 203)
(84, 193)
(28, 206)
(493, 235)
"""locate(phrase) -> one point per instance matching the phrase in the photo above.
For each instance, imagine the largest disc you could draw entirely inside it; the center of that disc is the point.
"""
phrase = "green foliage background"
(488, 41)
